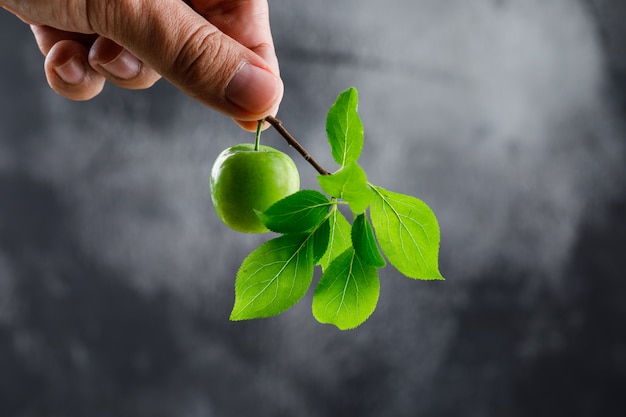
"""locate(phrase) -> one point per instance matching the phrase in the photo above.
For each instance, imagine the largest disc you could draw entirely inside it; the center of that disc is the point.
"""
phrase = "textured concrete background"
(506, 117)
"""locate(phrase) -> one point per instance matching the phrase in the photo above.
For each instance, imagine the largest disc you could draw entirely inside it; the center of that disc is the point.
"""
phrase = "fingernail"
(124, 66)
(72, 71)
(253, 89)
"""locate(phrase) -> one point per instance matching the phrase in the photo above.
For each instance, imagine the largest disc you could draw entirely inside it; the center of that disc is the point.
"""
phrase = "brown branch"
(278, 125)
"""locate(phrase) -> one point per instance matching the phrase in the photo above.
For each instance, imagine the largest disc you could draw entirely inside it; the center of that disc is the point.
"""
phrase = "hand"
(218, 51)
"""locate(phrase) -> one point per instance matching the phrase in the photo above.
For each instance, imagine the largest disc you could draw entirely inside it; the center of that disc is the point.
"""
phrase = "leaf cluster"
(386, 226)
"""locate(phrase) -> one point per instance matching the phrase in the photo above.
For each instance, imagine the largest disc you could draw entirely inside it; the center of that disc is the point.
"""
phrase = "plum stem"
(278, 125)
(257, 139)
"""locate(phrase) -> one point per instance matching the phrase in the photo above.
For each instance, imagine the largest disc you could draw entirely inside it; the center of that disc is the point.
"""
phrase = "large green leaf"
(274, 277)
(408, 233)
(347, 293)
(344, 128)
(299, 212)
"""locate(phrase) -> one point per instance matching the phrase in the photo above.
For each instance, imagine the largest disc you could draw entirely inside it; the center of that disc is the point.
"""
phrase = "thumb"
(192, 54)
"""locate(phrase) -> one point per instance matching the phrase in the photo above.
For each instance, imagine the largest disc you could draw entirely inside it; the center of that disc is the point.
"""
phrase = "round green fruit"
(245, 180)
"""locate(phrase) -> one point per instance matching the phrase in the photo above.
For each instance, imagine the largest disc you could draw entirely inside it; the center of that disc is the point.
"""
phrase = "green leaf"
(347, 292)
(344, 128)
(273, 277)
(364, 242)
(350, 184)
(408, 233)
(339, 237)
(297, 213)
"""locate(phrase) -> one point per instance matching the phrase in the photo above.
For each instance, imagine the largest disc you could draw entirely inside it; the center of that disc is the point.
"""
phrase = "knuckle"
(106, 17)
(202, 58)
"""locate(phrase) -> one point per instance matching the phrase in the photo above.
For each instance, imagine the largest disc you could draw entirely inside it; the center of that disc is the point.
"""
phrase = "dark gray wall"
(506, 117)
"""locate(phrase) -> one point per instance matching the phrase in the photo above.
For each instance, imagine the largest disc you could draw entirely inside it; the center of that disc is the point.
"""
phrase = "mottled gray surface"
(506, 117)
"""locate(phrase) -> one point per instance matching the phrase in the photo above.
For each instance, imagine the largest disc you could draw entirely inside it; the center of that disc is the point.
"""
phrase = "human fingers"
(106, 57)
(247, 22)
(192, 54)
(178, 43)
(119, 66)
(69, 73)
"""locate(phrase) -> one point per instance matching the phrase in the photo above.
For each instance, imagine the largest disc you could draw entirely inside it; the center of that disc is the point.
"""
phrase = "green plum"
(245, 180)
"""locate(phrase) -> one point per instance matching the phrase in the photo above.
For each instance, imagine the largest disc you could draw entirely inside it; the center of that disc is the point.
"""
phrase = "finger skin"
(91, 83)
(245, 21)
(130, 73)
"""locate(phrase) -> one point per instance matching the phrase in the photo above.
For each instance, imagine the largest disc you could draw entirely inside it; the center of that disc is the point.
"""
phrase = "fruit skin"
(244, 180)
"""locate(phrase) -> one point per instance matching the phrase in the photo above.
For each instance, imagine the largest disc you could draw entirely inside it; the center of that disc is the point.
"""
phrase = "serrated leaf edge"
(385, 200)
(350, 277)
(235, 317)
